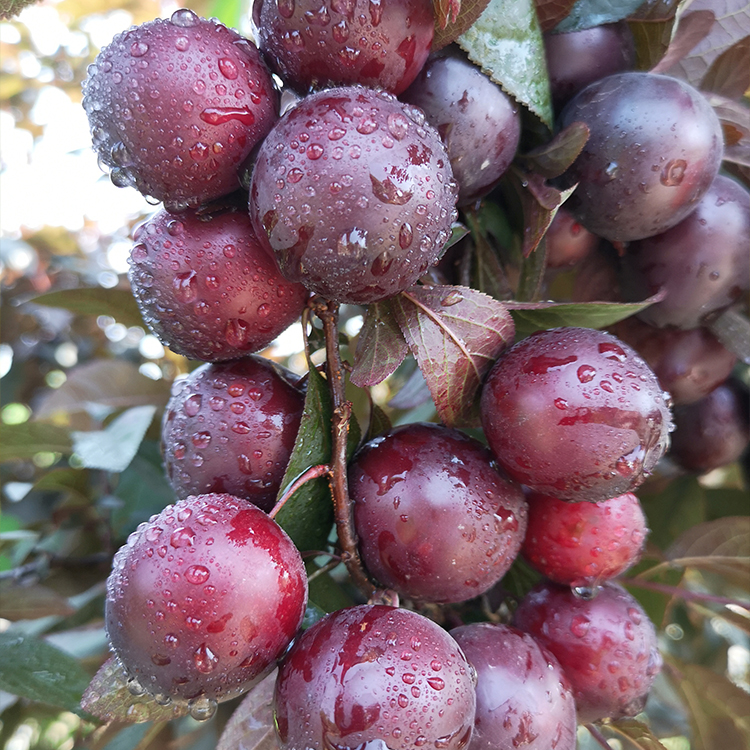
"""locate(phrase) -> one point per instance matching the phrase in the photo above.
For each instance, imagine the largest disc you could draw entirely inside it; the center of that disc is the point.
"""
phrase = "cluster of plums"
(351, 194)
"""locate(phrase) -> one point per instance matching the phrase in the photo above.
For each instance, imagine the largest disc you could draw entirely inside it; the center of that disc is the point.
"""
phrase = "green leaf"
(117, 303)
(535, 316)
(506, 42)
(107, 697)
(11, 8)
(487, 273)
(72, 482)
(113, 448)
(308, 514)
(31, 668)
(27, 439)
(32, 602)
(229, 12)
(589, 13)
(638, 734)
(381, 347)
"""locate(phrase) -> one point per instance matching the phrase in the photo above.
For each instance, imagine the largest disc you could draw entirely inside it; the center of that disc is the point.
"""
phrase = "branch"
(682, 593)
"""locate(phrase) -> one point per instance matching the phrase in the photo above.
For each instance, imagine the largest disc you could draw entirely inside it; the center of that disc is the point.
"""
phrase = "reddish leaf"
(553, 158)
(551, 12)
(251, 726)
(381, 347)
(692, 28)
(107, 697)
(729, 74)
(446, 11)
(413, 392)
(445, 33)
(455, 333)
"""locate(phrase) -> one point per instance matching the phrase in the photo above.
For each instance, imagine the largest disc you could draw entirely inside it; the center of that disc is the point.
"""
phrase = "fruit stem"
(682, 593)
(312, 473)
(598, 736)
(328, 312)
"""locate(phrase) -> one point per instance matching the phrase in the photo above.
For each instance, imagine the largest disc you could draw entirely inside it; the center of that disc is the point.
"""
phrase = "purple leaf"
(553, 158)
(551, 12)
(455, 334)
(729, 74)
(692, 29)
(381, 347)
(251, 726)
(449, 25)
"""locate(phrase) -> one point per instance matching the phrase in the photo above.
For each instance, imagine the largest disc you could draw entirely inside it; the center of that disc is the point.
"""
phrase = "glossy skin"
(654, 149)
(354, 193)
(375, 677)
(231, 428)
(435, 519)
(689, 364)
(523, 697)
(575, 413)
(578, 58)
(479, 124)
(703, 263)
(567, 241)
(312, 44)
(174, 132)
(208, 289)
(714, 431)
(606, 646)
(583, 544)
(204, 598)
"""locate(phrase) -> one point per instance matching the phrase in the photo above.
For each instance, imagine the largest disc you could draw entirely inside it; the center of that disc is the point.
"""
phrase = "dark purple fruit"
(313, 43)
(524, 700)
(567, 241)
(354, 193)
(479, 124)
(176, 105)
(436, 520)
(654, 150)
(203, 599)
(207, 288)
(714, 431)
(575, 413)
(231, 428)
(578, 58)
(375, 677)
(606, 645)
(702, 263)
(689, 364)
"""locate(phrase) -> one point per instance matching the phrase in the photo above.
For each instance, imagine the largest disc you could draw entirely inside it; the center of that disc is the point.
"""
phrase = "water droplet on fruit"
(228, 68)
(193, 404)
(561, 403)
(584, 592)
(403, 701)
(314, 151)
(184, 536)
(171, 640)
(220, 115)
(673, 173)
(202, 708)
(237, 332)
(138, 49)
(120, 155)
(405, 235)
(185, 286)
(181, 43)
(586, 373)
(612, 351)
(184, 18)
(175, 227)
(580, 625)
(398, 125)
(204, 659)
(611, 170)
(367, 125)
(197, 574)
(135, 687)
(436, 683)
(162, 699)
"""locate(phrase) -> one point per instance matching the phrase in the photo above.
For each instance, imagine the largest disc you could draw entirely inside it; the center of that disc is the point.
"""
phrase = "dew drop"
(673, 173)
(237, 332)
(183, 536)
(202, 708)
(205, 660)
(138, 49)
(184, 18)
(135, 687)
(228, 68)
(193, 404)
(185, 286)
(580, 625)
(586, 373)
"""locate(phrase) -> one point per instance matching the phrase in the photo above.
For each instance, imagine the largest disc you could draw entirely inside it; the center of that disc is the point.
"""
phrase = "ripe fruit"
(231, 428)
(176, 105)
(203, 599)
(575, 413)
(702, 264)
(354, 193)
(582, 544)
(436, 520)
(523, 697)
(207, 288)
(312, 43)
(375, 677)
(479, 124)
(606, 646)
(567, 241)
(654, 150)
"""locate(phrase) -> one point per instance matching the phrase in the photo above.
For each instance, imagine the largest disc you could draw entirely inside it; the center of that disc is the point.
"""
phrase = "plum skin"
(353, 193)
(177, 133)
(575, 413)
(231, 428)
(655, 147)
(207, 288)
(435, 518)
(606, 646)
(373, 675)
(204, 598)
(524, 698)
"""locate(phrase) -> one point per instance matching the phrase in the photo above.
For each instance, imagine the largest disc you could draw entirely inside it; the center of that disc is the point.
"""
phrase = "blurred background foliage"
(90, 367)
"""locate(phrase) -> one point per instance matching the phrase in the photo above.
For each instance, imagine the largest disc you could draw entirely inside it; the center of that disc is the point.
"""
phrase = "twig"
(682, 593)
(309, 474)
(598, 736)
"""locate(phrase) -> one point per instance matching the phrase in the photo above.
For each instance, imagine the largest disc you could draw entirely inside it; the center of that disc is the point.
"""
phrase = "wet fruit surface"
(567, 241)
(606, 645)
(582, 544)
(176, 105)
(523, 698)
(204, 598)
(354, 192)
(312, 43)
(435, 518)
(654, 149)
(231, 428)
(375, 677)
(207, 288)
(575, 413)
